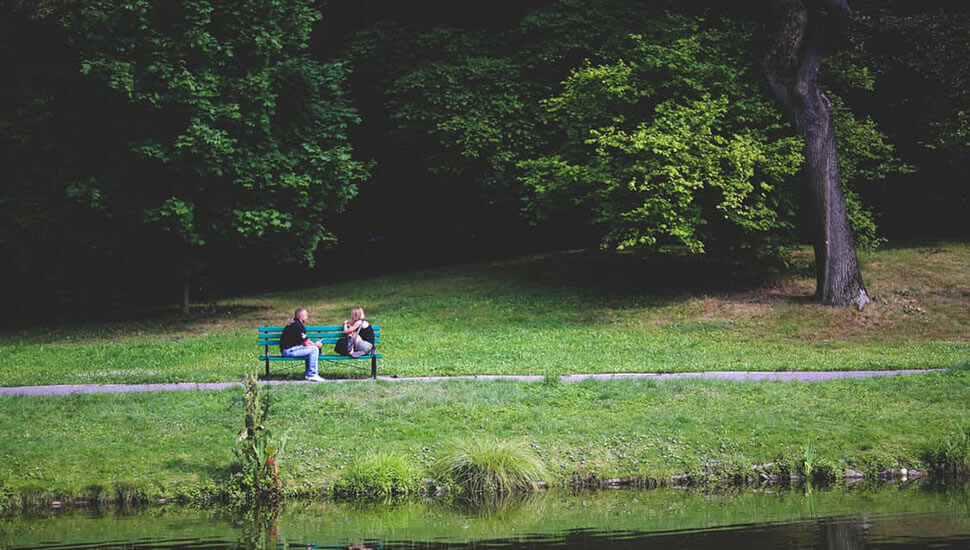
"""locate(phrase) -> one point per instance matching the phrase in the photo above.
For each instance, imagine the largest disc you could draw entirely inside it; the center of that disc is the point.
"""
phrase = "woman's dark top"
(366, 333)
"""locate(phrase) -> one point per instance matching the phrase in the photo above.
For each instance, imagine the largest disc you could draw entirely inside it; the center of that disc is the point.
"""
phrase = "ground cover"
(559, 313)
(170, 443)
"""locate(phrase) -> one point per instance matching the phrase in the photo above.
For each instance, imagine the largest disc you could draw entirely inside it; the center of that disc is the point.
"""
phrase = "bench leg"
(373, 367)
(267, 362)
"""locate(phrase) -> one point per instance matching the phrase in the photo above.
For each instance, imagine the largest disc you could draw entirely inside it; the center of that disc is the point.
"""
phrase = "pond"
(843, 518)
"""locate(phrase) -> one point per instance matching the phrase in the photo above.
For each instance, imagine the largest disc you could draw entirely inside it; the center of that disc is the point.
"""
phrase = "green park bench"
(269, 338)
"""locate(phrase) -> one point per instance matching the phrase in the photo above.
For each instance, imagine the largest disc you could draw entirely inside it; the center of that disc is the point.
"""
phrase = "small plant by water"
(258, 451)
(379, 476)
(809, 463)
(490, 467)
(817, 471)
(949, 461)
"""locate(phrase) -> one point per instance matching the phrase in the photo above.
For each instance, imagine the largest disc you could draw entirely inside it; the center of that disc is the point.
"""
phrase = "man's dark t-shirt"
(294, 334)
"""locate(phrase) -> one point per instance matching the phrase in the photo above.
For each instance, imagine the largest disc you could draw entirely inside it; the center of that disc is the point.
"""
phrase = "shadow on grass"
(141, 321)
(295, 370)
(657, 279)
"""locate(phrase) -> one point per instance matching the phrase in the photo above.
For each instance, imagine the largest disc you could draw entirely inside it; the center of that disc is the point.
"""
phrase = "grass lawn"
(570, 312)
(156, 441)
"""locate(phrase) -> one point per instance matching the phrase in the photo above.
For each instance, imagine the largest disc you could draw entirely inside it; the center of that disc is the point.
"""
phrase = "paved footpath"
(737, 376)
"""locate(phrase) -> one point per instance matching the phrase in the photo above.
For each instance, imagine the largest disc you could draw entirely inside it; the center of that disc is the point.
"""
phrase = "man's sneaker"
(315, 378)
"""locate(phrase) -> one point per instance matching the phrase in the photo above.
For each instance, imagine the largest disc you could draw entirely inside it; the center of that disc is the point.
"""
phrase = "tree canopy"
(145, 141)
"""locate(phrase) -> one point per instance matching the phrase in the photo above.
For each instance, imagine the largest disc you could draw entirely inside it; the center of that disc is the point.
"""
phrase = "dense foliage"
(629, 124)
(674, 148)
(244, 132)
(224, 134)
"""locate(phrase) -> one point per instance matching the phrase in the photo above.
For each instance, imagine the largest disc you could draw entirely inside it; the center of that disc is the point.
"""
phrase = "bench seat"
(269, 338)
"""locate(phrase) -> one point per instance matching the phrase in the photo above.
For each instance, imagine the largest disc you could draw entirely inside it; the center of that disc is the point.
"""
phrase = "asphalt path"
(736, 376)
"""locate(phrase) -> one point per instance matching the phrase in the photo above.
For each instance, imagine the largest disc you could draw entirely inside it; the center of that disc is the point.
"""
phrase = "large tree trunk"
(806, 28)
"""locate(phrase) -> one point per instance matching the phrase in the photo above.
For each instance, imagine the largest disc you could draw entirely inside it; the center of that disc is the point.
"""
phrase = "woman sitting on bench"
(360, 334)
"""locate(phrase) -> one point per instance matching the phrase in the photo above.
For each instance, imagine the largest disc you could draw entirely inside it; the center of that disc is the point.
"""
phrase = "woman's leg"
(361, 347)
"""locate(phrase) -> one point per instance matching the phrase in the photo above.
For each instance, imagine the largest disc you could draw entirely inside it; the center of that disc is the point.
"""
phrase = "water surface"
(843, 518)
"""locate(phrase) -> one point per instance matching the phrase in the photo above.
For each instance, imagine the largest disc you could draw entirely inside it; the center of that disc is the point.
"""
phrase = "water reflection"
(837, 519)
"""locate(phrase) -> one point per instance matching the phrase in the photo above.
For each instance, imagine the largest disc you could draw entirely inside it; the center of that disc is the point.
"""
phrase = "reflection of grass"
(550, 514)
(548, 314)
(648, 428)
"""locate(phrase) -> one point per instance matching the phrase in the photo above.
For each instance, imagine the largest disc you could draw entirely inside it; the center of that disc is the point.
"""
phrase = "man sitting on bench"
(294, 343)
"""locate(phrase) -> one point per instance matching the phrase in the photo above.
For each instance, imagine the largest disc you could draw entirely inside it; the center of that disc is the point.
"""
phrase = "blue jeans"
(310, 352)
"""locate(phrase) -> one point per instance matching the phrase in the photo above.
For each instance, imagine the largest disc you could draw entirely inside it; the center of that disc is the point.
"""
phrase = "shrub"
(489, 467)
(381, 475)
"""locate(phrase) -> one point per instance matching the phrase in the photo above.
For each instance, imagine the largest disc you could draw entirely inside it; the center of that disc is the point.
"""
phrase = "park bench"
(269, 338)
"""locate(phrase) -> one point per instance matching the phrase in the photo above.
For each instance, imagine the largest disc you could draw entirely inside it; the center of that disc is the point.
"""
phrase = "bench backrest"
(270, 336)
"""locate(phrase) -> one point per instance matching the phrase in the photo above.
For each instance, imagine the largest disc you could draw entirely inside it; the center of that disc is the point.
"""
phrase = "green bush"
(489, 467)
(381, 475)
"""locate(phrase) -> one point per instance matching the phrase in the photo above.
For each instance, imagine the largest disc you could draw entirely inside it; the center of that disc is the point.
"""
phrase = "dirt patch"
(732, 308)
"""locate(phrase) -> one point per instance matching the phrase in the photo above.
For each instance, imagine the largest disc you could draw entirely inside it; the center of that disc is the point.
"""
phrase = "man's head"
(301, 315)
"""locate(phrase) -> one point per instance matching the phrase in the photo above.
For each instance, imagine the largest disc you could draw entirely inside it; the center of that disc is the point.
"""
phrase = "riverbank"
(178, 445)
(551, 314)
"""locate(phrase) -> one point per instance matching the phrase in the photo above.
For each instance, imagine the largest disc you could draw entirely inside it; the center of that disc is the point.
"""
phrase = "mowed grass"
(157, 442)
(558, 313)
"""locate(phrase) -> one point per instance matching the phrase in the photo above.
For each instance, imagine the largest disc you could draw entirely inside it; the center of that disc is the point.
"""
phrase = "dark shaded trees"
(200, 130)
(226, 137)
(806, 31)
(617, 124)
(915, 55)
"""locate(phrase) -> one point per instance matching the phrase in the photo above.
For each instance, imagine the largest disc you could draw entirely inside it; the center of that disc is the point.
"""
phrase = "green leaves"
(240, 132)
(177, 217)
(667, 146)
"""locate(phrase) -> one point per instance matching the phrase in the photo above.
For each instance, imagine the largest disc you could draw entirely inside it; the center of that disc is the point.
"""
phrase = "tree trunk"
(806, 28)
(185, 293)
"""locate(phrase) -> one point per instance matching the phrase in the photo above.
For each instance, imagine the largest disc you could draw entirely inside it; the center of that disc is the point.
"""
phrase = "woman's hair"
(356, 314)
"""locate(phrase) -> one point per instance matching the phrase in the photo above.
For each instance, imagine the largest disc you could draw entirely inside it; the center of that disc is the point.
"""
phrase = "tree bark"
(806, 29)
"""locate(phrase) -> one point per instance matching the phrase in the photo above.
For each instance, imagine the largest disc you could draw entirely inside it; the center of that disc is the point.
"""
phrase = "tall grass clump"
(490, 467)
(379, 476)
(950, 459)
(258, 451)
